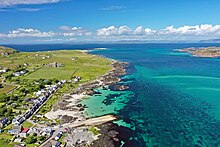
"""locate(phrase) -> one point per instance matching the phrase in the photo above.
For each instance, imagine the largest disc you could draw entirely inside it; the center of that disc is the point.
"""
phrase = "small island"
(208, 52)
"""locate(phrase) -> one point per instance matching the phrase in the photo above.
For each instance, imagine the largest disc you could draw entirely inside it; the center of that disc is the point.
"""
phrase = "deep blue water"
(47, 47)
(175, 98)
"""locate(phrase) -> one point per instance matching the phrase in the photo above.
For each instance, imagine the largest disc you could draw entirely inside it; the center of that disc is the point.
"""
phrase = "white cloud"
(30, 32)
(113, 33)
(139, 31)
(2, 35)
(197, 30)
(74, 31)
(110, 31)
(8, 3)
(20, 32)
(123, 31)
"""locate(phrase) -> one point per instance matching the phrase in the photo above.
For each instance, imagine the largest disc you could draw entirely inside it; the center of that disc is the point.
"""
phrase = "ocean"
(173, 98)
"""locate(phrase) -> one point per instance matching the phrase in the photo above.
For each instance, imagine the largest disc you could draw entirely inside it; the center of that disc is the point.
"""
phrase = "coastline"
(202, 52)
(63, 110)
(70, 111)
(71, 102)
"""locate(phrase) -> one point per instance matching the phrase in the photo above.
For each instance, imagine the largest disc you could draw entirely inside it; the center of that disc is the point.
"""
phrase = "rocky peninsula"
(208, 52)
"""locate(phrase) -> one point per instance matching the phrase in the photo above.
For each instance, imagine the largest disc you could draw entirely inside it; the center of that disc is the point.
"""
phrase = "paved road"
(88, 122)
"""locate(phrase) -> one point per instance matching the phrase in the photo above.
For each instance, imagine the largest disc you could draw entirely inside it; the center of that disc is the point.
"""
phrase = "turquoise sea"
(173, 99)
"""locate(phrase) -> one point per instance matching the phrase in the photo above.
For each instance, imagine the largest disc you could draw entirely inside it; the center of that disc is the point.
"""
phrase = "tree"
(35, 134)
(41, 138)
(31, 139)
(48, 82)
(14, 98)
(3, 111)
(4, 98)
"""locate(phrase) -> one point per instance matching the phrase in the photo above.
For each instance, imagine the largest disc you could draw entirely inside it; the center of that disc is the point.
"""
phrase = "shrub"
(31, 140)
(4, 98)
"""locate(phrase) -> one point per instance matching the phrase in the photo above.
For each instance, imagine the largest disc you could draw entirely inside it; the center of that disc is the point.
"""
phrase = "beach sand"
(73, 101)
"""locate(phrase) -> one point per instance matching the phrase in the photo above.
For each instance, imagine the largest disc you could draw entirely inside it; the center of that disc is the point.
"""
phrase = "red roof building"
(25, 130)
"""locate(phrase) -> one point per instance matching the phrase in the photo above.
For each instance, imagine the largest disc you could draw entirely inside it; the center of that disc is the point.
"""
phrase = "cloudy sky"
(86, 21)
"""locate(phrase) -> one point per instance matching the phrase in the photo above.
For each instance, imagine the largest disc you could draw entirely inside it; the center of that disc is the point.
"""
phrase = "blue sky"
(48, 21)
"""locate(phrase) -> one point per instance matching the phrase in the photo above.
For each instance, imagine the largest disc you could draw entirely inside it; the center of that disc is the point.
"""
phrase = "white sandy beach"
(73, 101)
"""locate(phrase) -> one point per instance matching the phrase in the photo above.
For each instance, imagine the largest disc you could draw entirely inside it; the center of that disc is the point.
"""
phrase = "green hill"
(5, 51)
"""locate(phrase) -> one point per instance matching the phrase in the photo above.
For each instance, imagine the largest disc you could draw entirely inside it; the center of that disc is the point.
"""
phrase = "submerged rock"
(114, 135)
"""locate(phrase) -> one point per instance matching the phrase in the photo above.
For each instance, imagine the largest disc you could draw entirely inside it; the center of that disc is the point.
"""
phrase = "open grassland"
(7, 88)
(75, 63)
(27, 124)
(50, 72)
(5, 143)
(5, 140)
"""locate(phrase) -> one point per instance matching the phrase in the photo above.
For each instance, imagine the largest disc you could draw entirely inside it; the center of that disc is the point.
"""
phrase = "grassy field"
(4, 143)
(27, 124)
(7, 88)
(5, 135)
(5, 139)
(48, 72)
(84, 65)
(8, 127)
(74, 63)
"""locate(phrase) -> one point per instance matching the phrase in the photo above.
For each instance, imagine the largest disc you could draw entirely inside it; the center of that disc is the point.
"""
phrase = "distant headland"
(208, 52)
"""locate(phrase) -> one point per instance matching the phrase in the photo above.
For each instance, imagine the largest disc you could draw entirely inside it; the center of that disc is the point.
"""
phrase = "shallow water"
(173, 100)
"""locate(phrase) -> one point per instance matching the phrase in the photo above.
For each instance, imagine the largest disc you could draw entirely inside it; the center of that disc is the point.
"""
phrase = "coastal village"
(45, 110)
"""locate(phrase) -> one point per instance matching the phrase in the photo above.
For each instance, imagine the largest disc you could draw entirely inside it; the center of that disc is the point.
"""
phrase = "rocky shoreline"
(113, 135)
(70, 110)
(207, 52)
(112, 77)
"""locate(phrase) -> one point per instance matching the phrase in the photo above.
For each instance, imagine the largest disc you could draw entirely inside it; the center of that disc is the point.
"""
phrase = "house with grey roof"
(3, 121)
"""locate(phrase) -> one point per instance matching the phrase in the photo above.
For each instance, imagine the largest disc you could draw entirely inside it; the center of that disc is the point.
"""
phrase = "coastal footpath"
(40, 95)
(208, 52)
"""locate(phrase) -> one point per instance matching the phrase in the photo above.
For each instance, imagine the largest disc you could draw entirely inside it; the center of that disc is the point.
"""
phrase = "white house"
(4, 70)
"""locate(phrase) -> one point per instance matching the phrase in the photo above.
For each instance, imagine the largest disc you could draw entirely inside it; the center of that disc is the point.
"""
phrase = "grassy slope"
(87, 66)
(6, 50)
